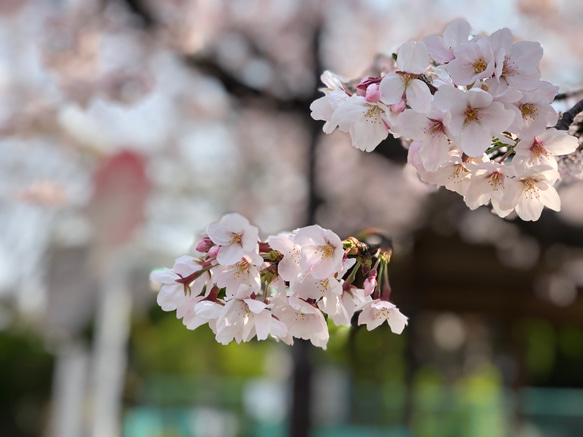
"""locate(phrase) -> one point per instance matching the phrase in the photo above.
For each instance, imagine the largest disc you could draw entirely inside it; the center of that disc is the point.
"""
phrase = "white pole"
(112, 333)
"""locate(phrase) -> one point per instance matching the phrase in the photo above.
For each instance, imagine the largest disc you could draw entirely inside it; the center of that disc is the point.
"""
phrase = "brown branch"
(568, 117)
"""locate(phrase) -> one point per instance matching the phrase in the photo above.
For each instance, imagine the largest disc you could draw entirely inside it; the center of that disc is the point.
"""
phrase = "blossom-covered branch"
(285, 287)
(475, 110)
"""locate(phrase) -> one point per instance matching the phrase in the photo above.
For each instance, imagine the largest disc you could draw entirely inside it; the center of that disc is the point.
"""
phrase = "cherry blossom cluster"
(475, 110)
(286, 287)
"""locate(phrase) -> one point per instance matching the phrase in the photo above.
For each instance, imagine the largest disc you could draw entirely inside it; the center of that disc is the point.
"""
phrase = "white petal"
(475, 139)
(413, 57)
(231, 254)
(418, 96)
(392, 88)
(550, 198)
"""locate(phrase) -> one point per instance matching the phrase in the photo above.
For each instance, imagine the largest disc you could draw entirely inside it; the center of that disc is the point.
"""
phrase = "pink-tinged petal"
(218, 233)
(526, 54)
(411, 124)
(478, 98)
(366, 317)
(229, 255)
(479, 193)
(391, 88)
(413, 57)
(170, 296)
(235, 222)
(418, 96)
(263, 323)
(558, 142)
(525, 80)
(497, 117)
(438, 49)
(397, 321)
(192, 322)
(310, 235)
(475, 139)
(450, 99)
(512, 193)
(501, 40)
(249, 239)
(458, 31)
(208, 310)
(529, 209)
(186, 266)
(550, 198)
(434, 151)
(367, 135)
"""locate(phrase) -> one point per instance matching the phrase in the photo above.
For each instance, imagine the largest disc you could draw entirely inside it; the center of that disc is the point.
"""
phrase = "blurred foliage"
(26, 368)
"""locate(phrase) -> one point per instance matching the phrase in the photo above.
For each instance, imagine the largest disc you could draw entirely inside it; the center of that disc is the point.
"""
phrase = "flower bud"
(213, 252)
(205, 245)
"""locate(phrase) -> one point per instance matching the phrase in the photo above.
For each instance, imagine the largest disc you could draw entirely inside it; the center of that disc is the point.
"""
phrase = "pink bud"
(214, 251)
(204, 245)
(372, 93)
(362, 87)
(370, 283)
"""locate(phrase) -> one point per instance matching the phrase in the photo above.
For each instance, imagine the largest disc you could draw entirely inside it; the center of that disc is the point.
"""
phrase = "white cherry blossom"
(516, 63)
(244, 272)
(474, 60)
(475, 117)
(289, 267)
(235, 236)
(430, 131)
(308, 287)
(366, 122)
(412, 60)
(542, 149)
(441, 48)
(376, 312)
(531, 191)
(488, 183)
(174, 290)
(334, 96)
(243, 318)
(454, 174)
(303, 321)
(322, 252)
